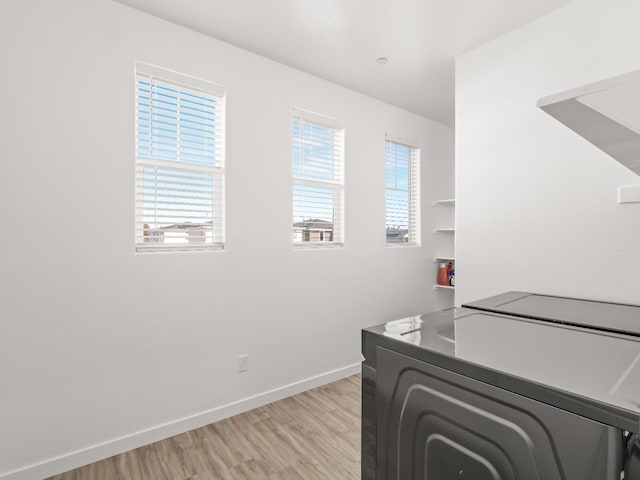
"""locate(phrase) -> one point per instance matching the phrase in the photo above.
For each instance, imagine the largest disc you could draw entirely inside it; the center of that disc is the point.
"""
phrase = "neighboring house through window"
(180, 161)
(402, 193)
(318, 180)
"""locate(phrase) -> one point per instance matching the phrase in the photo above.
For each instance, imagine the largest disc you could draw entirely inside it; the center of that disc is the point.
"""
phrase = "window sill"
(317, 246)
(216, 247)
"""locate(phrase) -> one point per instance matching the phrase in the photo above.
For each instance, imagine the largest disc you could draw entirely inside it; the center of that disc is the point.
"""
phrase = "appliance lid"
(586, 371)
(602, 316)
(598, 365)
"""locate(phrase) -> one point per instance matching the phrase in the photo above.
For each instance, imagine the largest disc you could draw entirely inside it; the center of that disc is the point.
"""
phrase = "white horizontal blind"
(179, 162)
(318, 181)
(402, 194)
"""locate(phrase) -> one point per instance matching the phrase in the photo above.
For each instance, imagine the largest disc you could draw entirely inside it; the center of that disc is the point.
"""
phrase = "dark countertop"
(593, 373)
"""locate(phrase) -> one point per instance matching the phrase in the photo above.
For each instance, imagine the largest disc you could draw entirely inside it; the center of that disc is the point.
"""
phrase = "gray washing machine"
(517, 386)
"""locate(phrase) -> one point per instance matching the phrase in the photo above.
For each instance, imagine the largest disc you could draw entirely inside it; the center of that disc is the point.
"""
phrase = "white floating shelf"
(444, 259)
(444, 230)
(444, 287)
(449, 201)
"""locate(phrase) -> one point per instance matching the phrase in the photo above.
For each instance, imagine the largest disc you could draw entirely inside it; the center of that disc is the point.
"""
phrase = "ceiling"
(340, 40)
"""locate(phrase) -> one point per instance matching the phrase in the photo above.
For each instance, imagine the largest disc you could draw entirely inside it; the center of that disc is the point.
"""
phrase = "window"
(179, 161)
(402, 194)
(318, 180)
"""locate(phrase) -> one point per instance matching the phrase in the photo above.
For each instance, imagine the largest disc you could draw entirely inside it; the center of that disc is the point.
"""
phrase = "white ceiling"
(340, 40)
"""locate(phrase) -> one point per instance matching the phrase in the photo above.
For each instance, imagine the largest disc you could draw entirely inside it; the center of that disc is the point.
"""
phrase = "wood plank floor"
(313, 435)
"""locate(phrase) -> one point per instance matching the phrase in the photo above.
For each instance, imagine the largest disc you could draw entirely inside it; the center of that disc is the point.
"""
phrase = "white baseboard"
(93, 453)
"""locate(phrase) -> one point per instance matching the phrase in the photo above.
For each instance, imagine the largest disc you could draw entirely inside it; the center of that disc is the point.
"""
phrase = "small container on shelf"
(443, 275)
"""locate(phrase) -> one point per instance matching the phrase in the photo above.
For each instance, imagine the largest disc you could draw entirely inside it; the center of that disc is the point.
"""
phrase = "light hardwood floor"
(313, 435)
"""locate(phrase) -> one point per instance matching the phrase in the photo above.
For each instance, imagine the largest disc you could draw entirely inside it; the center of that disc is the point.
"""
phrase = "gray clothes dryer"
(478, 394)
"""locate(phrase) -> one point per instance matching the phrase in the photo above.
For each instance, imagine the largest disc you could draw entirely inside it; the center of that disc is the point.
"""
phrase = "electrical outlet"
(243, 363)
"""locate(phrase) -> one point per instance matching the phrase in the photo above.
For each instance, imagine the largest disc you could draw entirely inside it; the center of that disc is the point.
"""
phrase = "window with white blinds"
(318, 180)
(402, 194)
(179, 161)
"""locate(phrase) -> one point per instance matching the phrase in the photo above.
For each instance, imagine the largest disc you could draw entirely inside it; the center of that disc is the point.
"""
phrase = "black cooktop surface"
(612, 317)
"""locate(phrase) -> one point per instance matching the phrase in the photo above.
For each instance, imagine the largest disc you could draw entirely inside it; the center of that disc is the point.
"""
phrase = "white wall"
(102, 349)
(537, 204)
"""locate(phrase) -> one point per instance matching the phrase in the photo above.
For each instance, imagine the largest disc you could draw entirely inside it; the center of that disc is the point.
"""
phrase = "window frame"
(414, 227)
(184, 84)
(337, 186)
